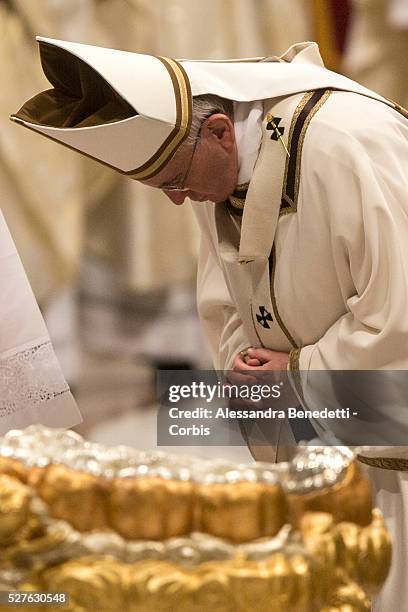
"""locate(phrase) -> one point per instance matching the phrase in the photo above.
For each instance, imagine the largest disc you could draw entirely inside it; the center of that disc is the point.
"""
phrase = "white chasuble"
(32, 386)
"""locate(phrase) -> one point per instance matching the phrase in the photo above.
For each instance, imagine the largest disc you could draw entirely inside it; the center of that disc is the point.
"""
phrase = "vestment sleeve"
(219, 318)
(363, 194)
(32, 386)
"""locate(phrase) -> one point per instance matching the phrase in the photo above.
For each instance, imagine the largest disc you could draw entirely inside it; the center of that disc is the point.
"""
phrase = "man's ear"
(220, 128)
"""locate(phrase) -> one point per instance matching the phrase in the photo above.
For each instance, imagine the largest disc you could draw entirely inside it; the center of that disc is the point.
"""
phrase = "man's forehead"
(171, 172)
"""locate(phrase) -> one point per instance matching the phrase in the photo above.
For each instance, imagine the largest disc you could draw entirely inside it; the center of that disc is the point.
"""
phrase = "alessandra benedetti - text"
(289, 413)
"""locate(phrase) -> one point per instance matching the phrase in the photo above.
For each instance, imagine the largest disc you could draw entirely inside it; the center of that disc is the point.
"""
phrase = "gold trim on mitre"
(184, 110)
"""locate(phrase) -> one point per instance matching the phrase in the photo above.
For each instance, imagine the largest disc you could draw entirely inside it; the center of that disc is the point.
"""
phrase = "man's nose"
(177, 197)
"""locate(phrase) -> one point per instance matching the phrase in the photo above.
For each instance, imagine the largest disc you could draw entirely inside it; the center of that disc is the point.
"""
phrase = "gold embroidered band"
(278, 318)
(304, 113)
(184, 102)
(294, 357)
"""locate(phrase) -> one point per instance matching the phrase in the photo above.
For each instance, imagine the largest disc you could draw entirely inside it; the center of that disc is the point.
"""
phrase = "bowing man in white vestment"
(299, 178)
(88, 205)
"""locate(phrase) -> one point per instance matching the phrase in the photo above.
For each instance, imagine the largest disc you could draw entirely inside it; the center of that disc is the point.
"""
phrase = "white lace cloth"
(31, 375)
(32, 386)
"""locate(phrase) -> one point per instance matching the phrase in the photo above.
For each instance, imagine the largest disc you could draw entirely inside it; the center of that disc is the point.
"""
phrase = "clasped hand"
(261, 366)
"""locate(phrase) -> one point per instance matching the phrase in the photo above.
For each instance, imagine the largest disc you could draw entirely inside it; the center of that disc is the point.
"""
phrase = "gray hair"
(205, 106)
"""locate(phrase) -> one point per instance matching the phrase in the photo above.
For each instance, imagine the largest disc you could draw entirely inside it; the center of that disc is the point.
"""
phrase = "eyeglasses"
(181, 185)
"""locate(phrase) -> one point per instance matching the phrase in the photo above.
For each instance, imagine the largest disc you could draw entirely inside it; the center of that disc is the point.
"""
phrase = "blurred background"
(113, 264)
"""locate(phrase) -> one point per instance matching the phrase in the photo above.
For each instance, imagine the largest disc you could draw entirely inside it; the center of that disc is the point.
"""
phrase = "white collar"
(248, 135)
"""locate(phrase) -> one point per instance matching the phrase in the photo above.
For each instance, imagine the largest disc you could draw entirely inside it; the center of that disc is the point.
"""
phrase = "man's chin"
(203, 198)
(216, 199)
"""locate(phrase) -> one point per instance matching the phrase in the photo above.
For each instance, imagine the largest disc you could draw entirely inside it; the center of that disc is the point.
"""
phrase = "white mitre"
(132, 111)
